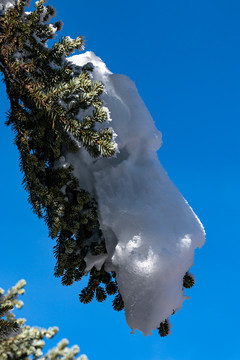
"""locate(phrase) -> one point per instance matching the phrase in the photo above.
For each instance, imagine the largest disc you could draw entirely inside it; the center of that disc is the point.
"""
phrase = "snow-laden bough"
(150, 230)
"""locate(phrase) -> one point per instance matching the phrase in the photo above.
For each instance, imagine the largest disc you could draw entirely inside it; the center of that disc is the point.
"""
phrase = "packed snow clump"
(6, 4)
(150, 230)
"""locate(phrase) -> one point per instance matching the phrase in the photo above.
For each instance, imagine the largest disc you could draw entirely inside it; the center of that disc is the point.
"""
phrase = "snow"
(97, 261)
(151, 232)
(7, 4)
(10, 3)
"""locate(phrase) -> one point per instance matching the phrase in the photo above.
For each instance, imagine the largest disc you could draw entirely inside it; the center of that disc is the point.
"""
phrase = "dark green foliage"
(111, 288)
(86, 296)
(94, 286)
(46, 94)
(100, 294)
(188, 281)
(164, 328)
(118, 303)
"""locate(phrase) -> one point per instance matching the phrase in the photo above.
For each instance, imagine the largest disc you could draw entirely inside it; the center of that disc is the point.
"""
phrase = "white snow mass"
(10, 3)
(6, 4)
(150, 230)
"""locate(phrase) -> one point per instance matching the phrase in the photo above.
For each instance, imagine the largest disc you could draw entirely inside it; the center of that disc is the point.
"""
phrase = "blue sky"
(184, 57)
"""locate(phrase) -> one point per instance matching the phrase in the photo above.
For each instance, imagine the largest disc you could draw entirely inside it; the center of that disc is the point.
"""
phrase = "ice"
(151, 232)
(97, 261)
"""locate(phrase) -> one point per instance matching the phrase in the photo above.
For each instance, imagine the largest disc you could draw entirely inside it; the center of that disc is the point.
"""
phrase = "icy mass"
(150, 230)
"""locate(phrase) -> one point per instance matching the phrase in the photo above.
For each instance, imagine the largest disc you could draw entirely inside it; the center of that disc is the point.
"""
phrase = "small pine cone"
(100, 294)
(86, 296)
(118, 303)
(106, 277)
(188, 281)
(164, 328)
(111, 288)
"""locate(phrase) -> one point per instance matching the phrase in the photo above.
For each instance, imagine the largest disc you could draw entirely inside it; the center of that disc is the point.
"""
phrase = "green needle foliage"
(48, 96)
(25, 342)
(8, 326)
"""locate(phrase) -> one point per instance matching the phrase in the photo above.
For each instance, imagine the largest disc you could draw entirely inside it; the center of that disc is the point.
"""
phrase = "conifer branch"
(47, 96)
(23, 342)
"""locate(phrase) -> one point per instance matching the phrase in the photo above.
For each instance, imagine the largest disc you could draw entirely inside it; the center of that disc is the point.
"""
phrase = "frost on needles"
(26, 342)
(107, 201)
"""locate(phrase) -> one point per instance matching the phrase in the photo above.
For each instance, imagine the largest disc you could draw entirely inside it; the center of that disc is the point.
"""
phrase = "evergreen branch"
(23, 342)
(48, 96)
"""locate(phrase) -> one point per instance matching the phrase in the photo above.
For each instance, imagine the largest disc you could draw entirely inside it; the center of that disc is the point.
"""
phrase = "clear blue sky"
(184, 57)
